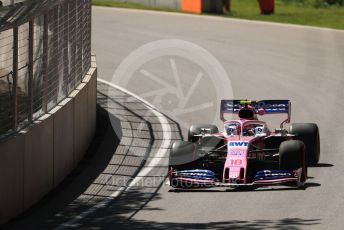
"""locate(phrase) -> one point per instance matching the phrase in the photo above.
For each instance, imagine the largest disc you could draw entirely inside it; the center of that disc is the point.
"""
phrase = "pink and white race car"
(247, 152)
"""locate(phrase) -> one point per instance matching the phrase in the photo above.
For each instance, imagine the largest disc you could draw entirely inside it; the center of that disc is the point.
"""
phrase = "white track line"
(163, 151)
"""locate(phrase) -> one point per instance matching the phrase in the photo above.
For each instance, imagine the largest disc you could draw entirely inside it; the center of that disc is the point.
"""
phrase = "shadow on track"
(287, 223)
(114, 159)
(246, 189)
(322, 165)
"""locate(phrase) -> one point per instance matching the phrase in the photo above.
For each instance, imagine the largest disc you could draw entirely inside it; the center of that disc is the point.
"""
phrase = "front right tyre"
(292, 157)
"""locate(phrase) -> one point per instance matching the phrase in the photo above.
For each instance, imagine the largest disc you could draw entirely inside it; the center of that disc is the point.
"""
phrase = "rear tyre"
(308, 133)
(292, 157)
(197, 130)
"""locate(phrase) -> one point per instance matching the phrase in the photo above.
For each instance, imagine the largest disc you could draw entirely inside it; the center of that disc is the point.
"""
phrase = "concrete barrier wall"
(172, 4)
(37, 159)
(11, 177)
(64, 141)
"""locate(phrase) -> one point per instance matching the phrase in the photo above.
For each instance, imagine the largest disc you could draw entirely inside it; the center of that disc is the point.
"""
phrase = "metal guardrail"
(45, 50)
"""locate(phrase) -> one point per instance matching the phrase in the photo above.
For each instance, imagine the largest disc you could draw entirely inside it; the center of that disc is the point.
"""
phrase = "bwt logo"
(238, 144)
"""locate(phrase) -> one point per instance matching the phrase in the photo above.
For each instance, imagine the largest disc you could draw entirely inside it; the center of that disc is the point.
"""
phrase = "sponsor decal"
(238, 144)
(236, 152)
(268, 106)
(236, 162)
(274, 175)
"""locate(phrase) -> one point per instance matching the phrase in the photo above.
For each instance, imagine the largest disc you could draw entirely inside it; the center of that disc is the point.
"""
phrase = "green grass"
(292, 12)
(129, 5)
(286, 11)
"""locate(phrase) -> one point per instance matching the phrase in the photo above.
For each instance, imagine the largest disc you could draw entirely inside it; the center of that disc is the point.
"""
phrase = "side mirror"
(261, 112)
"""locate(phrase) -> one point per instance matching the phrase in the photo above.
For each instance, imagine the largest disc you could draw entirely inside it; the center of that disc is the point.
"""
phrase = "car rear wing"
(269, 107)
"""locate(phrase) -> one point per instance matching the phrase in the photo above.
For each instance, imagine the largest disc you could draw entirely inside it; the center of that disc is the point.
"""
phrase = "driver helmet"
(249, 130)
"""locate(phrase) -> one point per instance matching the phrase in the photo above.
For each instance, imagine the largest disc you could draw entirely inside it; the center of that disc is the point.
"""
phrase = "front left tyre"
(308, 133)
(182, 155)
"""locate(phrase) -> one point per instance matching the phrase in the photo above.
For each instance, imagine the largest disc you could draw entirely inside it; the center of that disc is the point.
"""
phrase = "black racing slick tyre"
(292, 157)
(308, 133)
(197, 130)
(182, 155)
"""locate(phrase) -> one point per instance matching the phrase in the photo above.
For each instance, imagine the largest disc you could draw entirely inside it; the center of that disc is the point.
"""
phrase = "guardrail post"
(89, 12)
(15, 78)
(65, 47)
(82, 25)
(30, 69)
(73, 41)
(54, 67)
(45, 63)
(78, 38)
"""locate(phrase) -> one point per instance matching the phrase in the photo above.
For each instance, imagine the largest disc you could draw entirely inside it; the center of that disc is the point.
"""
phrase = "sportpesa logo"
(238, 144)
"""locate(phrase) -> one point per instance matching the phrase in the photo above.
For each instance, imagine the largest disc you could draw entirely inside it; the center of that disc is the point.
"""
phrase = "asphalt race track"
(262, 61)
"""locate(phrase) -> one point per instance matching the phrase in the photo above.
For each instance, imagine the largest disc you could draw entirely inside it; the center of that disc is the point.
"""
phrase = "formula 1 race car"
(246, 153)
